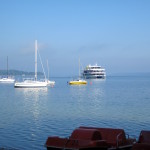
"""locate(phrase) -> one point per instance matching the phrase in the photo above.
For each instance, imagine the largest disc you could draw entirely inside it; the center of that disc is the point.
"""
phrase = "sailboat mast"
(35, 60)
(48, 69)
(79, 67)
(7, 66)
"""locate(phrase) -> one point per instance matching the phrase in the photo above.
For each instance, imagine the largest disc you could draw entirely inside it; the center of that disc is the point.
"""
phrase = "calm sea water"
(29, 116)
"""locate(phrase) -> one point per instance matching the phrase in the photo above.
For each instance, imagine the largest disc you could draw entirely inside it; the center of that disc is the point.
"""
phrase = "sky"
(115, 34)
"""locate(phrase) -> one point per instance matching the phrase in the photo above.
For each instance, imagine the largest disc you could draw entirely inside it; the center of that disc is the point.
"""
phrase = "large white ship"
(94, 72)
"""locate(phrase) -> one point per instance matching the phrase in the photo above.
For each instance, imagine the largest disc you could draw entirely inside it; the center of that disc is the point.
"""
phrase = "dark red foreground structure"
(143, 141)
(86, 138)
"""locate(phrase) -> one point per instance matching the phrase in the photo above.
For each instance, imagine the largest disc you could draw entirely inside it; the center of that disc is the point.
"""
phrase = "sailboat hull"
(77, 82)
(30, 84)
(7, 80)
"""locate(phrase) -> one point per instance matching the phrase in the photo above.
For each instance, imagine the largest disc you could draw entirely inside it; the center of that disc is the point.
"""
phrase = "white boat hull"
(7, 80)
(30, 84)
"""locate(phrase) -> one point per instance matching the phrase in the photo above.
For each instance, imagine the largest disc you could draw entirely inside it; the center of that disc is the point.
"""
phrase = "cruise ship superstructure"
(94, 72)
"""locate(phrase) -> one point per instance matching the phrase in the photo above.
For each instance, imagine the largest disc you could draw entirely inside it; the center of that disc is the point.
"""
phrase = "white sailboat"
(78, 81)
(7, 79)
(32, 83)
(49, 82)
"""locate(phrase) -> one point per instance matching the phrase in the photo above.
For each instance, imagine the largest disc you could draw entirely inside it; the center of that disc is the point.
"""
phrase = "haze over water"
(29, 116)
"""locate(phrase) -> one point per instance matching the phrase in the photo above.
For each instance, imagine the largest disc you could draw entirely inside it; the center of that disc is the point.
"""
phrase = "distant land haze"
(17, 72)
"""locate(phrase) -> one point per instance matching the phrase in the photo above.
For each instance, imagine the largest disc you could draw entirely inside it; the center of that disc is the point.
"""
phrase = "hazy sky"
(112, 33)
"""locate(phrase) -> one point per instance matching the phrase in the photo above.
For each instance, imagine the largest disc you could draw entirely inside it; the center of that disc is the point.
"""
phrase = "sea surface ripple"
(29, 116)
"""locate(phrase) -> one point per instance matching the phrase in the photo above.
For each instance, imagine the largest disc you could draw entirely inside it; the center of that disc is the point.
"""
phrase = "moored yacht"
(94, 72)
(32, 83)
(78, 81)
(7, 79)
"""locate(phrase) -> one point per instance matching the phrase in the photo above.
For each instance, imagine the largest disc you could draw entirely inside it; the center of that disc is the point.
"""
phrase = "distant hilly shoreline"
(18, 72)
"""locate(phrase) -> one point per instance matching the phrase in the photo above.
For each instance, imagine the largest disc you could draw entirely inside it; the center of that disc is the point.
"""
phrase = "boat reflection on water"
(96, 80)
(33, 92)
(32, 100)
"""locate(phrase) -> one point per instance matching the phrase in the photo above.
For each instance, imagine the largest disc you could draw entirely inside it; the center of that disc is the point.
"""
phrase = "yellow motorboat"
(77, 82)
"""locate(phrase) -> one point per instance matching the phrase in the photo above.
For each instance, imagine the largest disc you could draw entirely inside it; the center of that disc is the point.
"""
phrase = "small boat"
(32, 83)
(78, 81)
(85, 138)
(7, 79)
(143, 142)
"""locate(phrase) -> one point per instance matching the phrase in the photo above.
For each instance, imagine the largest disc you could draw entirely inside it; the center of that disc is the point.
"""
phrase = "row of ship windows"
(94, 68)
(94, 74)
(89, 71)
